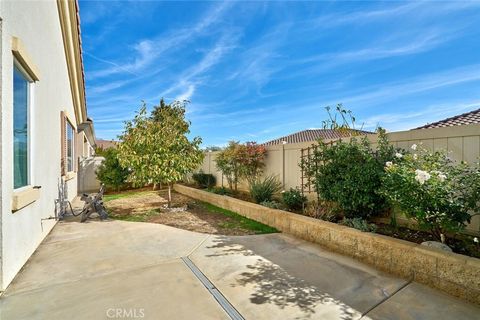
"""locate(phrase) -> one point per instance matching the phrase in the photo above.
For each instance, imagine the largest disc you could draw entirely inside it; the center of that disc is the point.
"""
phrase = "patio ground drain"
(224, 303)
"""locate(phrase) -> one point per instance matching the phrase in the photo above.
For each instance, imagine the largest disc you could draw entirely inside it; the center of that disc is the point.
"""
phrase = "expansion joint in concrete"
(197, 246)
(217, 295)
(387, 298)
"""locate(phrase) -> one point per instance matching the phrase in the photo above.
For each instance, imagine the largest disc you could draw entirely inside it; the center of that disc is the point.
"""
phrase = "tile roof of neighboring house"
(105, 144)
(462, 119)
(312, 135)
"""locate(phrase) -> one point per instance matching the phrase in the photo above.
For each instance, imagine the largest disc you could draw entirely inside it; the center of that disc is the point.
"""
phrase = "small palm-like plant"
(263, 190)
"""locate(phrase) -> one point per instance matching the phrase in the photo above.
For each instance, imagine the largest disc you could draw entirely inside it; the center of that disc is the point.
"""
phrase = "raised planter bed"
(452, 273)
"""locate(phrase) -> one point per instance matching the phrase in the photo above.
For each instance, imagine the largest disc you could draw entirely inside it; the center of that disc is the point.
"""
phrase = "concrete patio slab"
(164, 291)
(96, 269)
(418, 302)
(75, 251)
(278, 274)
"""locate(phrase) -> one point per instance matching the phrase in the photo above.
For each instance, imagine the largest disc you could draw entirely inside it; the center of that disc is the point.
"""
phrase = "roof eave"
(70, 25)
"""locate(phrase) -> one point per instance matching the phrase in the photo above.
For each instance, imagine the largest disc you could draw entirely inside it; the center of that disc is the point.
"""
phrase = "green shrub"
(360, 224)
(433, 190)
(220, 190)
(110, 172)
(322, 210)
(294, 199)
(262, 190)
(204, 180)
(228, 162)
(272, 204)
(350, 174)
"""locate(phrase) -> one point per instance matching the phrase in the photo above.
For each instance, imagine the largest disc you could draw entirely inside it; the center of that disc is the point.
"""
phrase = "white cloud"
(414, 10)
(408, 120)
(106, 87)
(112, 120)
(213, 56)
(149, 50)
(259, 63)
(417, 85)
(388, 47)
(187, 94)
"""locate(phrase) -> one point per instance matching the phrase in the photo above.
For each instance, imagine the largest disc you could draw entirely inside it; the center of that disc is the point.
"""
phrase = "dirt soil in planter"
(151, 206)
(462, 244)
(237, 194)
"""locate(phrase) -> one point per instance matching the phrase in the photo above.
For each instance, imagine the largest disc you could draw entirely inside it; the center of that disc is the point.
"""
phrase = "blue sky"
(254, 71)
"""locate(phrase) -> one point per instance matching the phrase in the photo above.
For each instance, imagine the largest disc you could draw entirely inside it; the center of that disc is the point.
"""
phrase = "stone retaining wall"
(455, 274)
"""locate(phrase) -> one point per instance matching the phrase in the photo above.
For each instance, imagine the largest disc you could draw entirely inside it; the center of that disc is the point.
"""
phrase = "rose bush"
(433, 189)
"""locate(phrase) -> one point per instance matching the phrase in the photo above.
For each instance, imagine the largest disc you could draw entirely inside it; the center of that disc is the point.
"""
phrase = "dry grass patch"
(151, 206)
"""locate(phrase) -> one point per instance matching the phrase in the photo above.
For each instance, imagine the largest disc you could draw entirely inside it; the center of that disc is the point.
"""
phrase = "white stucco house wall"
(44, 128)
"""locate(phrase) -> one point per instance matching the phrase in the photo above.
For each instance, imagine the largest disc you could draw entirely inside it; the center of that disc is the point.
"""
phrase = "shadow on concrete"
(274, 285)
(271, 283)
(226, 247)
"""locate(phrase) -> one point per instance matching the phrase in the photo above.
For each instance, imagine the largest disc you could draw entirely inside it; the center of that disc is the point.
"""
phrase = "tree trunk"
(169, 195)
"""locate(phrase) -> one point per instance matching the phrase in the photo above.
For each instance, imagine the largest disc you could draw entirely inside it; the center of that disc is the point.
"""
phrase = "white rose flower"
(442, 177)
(389, 164)
(415, 156)
(422, 176)
(414, 146)
(476, 240)
(398, 155)
(427, 176)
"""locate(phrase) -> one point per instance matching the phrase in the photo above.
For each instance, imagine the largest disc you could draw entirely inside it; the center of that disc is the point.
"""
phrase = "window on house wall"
(70, 147)
(21, 137)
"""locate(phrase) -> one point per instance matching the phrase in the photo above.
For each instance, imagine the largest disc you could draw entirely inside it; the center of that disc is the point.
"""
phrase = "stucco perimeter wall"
(452, 273)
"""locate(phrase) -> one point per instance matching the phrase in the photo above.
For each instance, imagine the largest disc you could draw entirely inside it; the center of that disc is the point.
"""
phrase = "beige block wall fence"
(450, 272)
(87, 177)
(463, 143)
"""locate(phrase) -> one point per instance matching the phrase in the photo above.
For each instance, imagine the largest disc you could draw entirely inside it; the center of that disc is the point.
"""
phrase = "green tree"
(110, 172)
(156, 147)
(165, 111)
(228, 163)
